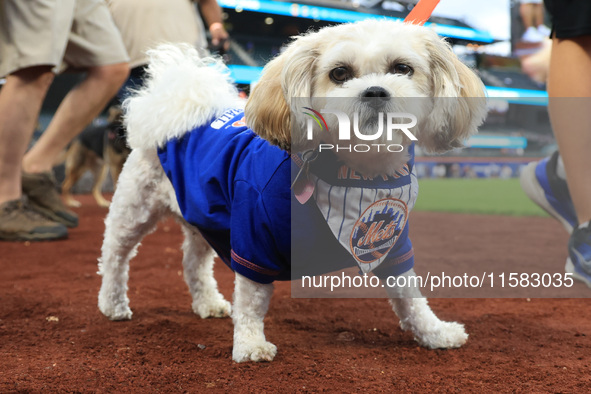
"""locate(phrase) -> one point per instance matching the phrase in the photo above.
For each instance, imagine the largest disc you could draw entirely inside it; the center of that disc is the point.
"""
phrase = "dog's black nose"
(375, 92)
(375, 96)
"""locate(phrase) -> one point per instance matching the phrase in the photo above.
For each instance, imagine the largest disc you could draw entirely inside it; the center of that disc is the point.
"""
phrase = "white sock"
(560, 168)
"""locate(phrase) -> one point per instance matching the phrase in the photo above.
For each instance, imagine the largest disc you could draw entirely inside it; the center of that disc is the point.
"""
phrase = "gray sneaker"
(18, 222)
(41, 189)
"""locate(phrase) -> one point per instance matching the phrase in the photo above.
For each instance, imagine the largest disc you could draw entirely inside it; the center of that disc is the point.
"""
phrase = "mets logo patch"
(377, 229)
(239, 123)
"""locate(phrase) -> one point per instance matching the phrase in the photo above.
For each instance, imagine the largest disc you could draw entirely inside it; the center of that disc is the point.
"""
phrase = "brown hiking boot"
(41, 189)
(18, 222)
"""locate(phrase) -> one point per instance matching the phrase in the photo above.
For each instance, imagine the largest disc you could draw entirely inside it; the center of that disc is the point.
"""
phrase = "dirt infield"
(52, 336)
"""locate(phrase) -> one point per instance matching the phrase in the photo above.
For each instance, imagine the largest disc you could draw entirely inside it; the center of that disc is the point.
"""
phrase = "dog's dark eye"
(401, 68)
(340, 74)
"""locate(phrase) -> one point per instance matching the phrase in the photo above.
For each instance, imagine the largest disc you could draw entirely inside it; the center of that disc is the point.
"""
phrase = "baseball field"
(482, 196)
(53, 337)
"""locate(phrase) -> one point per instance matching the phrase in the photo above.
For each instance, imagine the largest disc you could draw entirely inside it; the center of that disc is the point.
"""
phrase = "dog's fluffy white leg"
(251, 302)
(198, 268)
(134, 212)
(182, 91)
(415, 315)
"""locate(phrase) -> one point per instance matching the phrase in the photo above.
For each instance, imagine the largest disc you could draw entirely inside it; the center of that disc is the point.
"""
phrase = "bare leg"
(570, 97)
(527, 14)
(20, 104)
(76, 111)
(538, 14)
(536, 66)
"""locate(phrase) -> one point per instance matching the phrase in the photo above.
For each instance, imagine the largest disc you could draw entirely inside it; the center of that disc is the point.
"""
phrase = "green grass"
(484, 196)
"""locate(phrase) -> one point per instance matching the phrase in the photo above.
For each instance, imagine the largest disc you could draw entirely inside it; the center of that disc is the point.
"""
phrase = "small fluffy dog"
(100, 149)
(229, 184)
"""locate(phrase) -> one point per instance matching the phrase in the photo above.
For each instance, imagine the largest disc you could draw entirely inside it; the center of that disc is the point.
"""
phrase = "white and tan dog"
(368, 59)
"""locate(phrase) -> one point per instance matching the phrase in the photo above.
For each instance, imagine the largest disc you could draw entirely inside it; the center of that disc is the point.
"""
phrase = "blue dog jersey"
(235, 188)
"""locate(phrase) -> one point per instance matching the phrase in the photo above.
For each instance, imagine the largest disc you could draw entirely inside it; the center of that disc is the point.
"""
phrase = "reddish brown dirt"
(52, 336)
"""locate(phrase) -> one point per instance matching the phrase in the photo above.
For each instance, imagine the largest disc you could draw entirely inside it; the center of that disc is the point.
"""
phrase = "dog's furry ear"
(287, 76)
(459, 103)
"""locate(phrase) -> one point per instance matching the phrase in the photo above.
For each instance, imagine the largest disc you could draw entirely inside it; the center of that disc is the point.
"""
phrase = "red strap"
(421, 12)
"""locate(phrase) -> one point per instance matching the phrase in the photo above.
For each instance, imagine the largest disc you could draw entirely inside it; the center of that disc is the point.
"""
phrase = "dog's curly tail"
(182, 91)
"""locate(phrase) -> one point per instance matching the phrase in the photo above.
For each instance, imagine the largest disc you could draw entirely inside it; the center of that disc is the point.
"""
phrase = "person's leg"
(569, 88)
(80, 106)
(20, 103)
(538, 12)
(536, 66)
(528, 14)
(526, 10)
(92, 43)
(76, 111)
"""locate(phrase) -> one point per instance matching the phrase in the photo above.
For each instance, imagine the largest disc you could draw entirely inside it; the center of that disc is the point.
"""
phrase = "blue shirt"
(235, 187)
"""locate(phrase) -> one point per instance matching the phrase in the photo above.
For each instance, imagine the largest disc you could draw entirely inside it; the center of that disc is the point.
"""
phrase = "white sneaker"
(532, 35)
(543, 186)
(544, 31)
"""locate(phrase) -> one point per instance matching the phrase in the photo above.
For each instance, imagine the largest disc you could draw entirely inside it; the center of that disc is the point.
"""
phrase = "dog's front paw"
(118, 312)
(217, 307)
(114, 310)
(262, 351)
(444, 335)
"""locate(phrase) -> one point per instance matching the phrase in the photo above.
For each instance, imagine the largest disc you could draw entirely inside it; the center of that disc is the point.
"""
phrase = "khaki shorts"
(57, 33)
